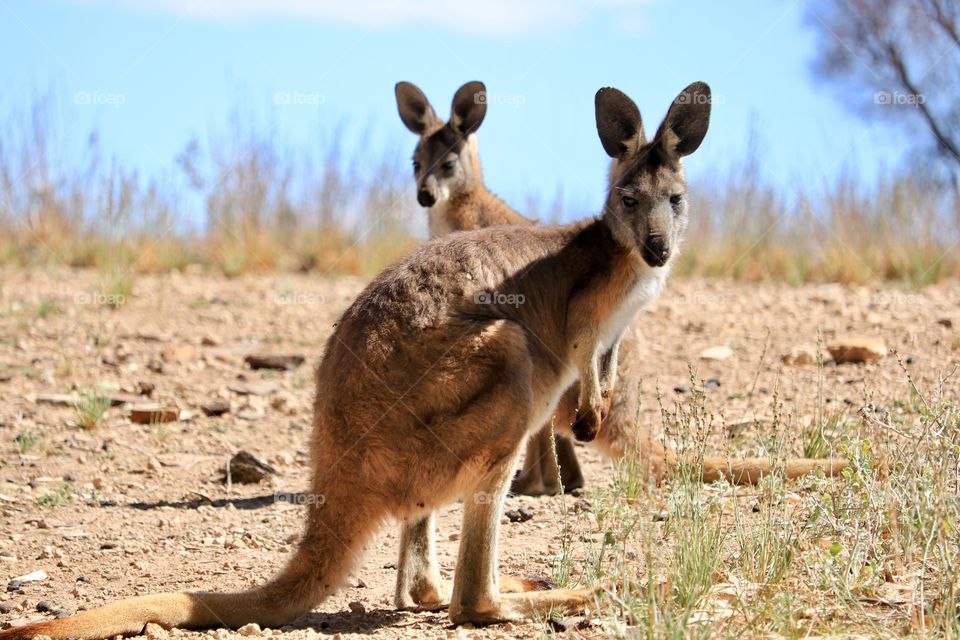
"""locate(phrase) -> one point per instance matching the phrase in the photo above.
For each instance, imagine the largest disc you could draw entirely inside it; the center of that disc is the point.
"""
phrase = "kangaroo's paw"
(424, 596)
(530, 484)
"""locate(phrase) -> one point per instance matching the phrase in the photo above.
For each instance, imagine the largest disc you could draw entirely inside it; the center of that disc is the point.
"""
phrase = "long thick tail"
(324, 559)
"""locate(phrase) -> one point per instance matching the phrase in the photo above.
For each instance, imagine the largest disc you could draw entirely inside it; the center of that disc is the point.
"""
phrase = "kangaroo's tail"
(335, 534)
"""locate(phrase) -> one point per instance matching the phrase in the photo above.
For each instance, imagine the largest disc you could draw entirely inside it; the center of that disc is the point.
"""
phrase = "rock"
(255, 388)
(945, 322)
(14, 585)
(716, 353)
(519, 515)
(118, 398)
(155, 632)
(178, 353)
(357, 608)
(279, 362)
(712, 383)
(681, 389)
(145, 388)
(6, 376)
(250, 412)
(250, 630)
(58, 399)
(6, 607)
(246, 468)
(208, 341)
(35, 576)
(45, 607)
(857, 349)
(153, 413)
(801, 354)
(215, 407)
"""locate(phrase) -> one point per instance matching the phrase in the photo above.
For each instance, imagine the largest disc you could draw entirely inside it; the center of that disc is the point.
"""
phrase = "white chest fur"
(644, 292)
(439, 223)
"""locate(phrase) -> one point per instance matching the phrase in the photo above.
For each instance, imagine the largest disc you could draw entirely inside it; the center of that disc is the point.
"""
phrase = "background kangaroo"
(449, 179)
(427, 389)
(450, 185)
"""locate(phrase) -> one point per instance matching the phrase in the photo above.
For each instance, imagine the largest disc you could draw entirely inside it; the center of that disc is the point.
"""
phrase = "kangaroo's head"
(445, 162)
(646, 206)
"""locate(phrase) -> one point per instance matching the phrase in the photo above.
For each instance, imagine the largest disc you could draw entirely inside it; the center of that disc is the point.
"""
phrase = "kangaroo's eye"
(676, 199)
(448, 165)
(628, 201)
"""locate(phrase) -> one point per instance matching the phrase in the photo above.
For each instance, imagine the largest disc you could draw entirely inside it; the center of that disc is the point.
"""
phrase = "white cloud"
(482, 17)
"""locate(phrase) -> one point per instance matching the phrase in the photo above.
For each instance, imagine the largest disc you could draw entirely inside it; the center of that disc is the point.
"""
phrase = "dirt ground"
(121, 508)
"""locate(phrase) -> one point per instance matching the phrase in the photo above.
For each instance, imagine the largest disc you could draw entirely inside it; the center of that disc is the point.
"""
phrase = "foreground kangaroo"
(435, 376)
(446, 166)
(450, 184)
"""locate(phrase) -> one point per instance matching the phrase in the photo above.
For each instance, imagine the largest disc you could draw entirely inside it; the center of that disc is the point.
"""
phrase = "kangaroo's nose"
(655, 250)
(426, 198)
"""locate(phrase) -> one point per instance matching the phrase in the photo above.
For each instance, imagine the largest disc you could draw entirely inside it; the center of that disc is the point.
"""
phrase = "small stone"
(357, 608)
(6, 607)
(14, 585)
(945, 322)
(255, 388)
(178, 353)
(250, 412)
(250, 630)
(215, 407)
(35, 576)
(153, 413)
(717, 353)
(713, 383)
(453, 537)
(857, 349)
(45, 607)
(800, 355)
(278, 362)
(246, 468)
(680, 389)
(58, 399)
(519, 515)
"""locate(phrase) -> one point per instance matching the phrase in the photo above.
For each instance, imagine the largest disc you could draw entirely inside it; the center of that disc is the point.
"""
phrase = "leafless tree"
(897, 59)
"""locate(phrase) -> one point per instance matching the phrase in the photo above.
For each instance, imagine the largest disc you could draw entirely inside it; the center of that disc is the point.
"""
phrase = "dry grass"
(241, 203)
(856, 556)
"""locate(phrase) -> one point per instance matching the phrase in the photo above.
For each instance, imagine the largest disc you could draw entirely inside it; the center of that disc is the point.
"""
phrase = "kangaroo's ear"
(618, 123)
(469, 108)
(415, 109)
(687, 121)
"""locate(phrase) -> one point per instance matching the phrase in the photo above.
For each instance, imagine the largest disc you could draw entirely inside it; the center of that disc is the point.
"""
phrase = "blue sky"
(149, 75)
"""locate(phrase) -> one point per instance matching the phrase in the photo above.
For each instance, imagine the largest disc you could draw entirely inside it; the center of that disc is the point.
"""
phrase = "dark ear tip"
(605, 92)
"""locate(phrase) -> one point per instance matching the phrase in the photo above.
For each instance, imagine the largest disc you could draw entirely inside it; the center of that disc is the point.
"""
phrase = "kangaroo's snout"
(656, 250)
(426, 198)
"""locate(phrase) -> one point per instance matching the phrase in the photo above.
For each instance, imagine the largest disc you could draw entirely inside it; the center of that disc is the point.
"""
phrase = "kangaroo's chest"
(641, 295)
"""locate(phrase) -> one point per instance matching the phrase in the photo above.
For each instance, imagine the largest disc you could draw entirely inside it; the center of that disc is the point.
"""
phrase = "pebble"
(250, 630)
(7, 607)
(44, 607)
(357, 608)
(215, 407)
(857, 349)
(519, 515)
(717, 353)
(713, 383)
(681, 389)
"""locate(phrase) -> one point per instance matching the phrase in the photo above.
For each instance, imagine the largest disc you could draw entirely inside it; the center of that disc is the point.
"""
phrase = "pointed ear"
(687, 122)
(415, 109)
(618, 123)
(469, 108)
